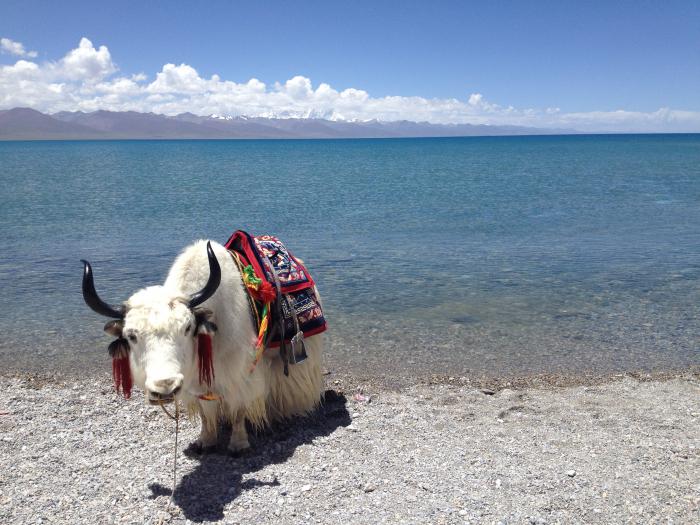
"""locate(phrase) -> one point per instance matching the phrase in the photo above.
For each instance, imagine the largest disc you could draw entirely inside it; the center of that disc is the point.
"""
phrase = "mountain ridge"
(30, 124)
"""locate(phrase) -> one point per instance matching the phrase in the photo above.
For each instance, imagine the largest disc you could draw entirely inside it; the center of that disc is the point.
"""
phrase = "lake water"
(507, 255)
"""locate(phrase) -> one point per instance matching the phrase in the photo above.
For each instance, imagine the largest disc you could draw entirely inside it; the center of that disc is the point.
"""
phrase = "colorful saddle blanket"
(300, 309)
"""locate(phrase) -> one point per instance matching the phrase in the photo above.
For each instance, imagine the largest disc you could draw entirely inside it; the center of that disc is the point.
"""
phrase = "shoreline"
(346, 382)
(496, 383)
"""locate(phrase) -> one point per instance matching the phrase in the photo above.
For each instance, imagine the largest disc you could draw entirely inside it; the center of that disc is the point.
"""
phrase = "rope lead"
(177, 431)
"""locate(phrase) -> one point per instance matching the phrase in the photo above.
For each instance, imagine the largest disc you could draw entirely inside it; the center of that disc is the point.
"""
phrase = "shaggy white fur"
(159, 328)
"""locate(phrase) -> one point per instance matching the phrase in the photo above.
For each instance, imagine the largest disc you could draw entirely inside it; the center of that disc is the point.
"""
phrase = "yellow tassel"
(260, 344)
(209, 396)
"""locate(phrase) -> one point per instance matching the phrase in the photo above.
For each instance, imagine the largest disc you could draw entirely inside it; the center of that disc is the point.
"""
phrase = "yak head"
(160, 336)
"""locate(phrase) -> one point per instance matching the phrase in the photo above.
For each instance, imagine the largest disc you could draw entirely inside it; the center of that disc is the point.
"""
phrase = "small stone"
(369, 488)
(306, 488)
(488, 391)
(462, 512)
(352, 428)
(355, 414)
(571, 473)
(361, 398)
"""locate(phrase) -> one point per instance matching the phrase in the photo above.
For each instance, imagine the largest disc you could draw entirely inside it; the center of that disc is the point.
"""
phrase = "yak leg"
(239, 436)
(208, 413)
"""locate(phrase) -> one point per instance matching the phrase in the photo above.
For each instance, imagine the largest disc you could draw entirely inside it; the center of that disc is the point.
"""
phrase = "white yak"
(204, 292)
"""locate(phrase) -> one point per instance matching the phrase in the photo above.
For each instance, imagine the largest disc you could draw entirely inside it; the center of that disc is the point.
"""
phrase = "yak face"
(160, 328)
(160, 333)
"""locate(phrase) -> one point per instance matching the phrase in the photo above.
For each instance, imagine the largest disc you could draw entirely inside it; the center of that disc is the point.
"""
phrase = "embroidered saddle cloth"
(297, 307)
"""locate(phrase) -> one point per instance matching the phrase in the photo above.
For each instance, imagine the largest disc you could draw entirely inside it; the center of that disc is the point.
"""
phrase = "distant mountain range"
(29, 124)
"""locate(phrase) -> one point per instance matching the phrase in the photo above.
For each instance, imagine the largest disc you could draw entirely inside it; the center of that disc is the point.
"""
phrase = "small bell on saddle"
(298, 353)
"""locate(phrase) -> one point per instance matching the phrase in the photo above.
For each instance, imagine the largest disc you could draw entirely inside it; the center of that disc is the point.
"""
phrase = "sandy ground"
(616, 451)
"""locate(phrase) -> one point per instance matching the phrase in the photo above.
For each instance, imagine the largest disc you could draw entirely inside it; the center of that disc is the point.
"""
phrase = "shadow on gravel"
(203, 494)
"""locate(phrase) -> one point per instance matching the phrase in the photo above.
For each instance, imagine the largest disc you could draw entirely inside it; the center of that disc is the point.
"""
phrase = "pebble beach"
(621, 449)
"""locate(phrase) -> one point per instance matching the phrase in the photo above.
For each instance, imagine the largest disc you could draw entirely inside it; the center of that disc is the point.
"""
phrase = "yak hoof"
(197, 449)
(240, 453)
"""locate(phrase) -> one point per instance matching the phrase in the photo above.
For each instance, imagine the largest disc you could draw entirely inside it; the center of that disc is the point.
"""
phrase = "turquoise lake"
(459, 256)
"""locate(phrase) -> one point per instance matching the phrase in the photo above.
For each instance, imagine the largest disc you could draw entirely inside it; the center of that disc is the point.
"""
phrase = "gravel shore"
(624, 450)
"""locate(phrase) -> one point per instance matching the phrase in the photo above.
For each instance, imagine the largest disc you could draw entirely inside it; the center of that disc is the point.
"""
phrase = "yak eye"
(187, 330)
(132, 338)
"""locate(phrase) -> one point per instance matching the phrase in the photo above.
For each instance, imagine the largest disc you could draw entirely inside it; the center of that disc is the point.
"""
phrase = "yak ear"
(115, 327)
(203, 314)
(203, 318)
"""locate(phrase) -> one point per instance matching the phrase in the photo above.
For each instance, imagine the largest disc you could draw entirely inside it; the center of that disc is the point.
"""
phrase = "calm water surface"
(446, 256)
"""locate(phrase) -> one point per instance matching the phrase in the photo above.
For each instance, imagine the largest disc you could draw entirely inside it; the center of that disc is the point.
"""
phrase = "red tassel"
(206, 361)
(121, 369)
(121, 373)
(266, 293)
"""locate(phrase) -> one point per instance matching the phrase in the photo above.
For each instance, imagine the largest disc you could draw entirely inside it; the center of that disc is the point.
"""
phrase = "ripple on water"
(522, 254)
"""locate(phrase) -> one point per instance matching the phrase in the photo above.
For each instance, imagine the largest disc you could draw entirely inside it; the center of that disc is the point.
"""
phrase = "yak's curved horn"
(213, 282)
(93, 300)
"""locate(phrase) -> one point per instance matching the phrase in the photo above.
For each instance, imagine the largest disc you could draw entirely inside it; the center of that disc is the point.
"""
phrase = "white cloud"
(86, 64)
(87, 79)
(475, 99)
(10, 47)
(182, 79)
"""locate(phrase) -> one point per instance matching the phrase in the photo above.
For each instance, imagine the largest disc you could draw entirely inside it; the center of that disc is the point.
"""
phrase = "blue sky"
(550, 58)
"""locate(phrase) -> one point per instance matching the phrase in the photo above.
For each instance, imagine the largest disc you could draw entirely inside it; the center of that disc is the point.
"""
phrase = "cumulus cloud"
(87, 79)
(85, 63)
(10, 47)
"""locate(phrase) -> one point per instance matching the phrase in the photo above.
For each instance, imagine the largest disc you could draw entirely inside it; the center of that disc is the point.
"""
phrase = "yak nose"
(166, 386)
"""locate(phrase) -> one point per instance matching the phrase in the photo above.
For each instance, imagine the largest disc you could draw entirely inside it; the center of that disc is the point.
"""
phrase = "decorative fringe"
(266, 293)
(206, 360)
(261, 290)
(121, 369)
(260, 343)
